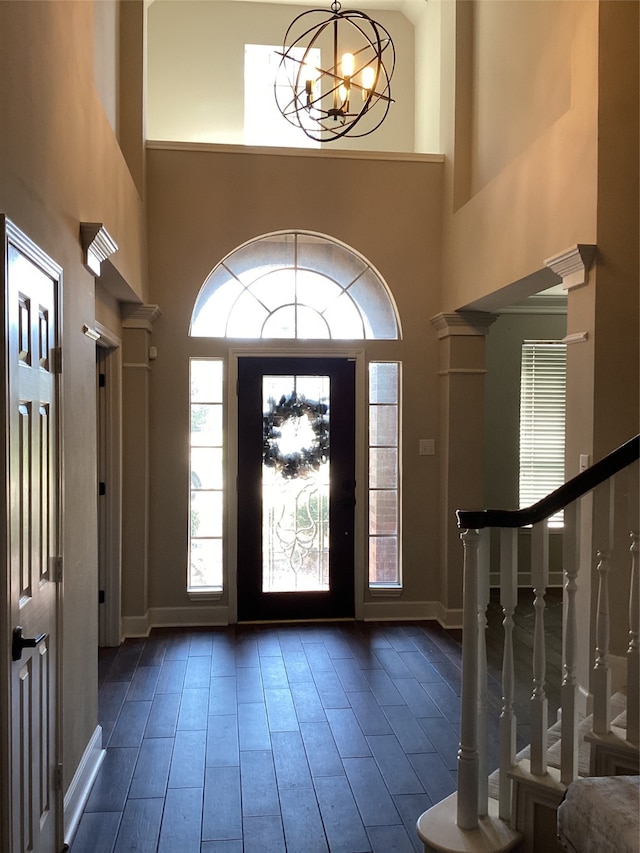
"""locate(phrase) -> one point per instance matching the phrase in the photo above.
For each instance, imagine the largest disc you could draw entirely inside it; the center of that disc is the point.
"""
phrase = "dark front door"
(296, 486)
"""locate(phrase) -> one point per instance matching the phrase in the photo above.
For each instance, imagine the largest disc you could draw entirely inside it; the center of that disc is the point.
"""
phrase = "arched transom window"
(296, 285)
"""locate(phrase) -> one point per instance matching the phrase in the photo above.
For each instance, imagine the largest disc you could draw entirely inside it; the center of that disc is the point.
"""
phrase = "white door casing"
(109, 443)
(30, 523)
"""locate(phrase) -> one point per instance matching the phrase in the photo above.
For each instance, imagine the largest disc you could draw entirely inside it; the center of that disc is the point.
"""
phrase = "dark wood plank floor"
(299, 738)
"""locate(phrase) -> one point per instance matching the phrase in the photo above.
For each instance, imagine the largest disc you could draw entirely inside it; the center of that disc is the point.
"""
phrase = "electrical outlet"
(427, 447)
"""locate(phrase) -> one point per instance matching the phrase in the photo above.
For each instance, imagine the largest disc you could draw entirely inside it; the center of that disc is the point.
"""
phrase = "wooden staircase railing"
(480, 823)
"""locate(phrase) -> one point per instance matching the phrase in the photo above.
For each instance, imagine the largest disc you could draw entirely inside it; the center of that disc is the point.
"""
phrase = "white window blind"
(542, 421)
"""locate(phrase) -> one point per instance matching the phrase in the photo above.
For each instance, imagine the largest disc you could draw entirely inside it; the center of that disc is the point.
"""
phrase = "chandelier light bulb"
(368, 80)
(348, 65)
(309, 76)
(309, 73)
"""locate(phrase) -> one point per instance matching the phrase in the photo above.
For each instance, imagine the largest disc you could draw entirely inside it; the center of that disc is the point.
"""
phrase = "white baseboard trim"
(190, 616)
(175, 617)
(217, 615)
(135, 626)
(411, 611)
(449, 617)
(80, 787)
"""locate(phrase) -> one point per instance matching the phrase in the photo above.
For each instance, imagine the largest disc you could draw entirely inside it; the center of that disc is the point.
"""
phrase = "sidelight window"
(206, 480)
(384, 473)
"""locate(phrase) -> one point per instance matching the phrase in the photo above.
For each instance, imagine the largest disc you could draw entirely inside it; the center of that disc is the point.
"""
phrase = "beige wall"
(520, 86)
(60, 165)
(106, 25)
(534, 159)
(426, 19)
(196, 71)
(205, 203)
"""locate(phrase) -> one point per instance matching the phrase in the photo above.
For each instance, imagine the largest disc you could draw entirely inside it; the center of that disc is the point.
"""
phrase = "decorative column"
(461, 439)
(578, 271)
(136, 332)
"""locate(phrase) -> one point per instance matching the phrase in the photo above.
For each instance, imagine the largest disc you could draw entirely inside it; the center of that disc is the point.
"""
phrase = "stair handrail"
(570, 491)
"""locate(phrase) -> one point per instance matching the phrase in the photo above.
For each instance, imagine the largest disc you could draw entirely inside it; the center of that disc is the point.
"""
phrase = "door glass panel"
(295, 483)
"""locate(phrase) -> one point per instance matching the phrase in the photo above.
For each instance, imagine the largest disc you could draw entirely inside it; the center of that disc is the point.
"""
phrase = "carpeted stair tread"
(618, 708)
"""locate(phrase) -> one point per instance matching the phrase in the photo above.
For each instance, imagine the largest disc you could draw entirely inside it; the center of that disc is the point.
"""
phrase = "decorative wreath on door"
(294, 417)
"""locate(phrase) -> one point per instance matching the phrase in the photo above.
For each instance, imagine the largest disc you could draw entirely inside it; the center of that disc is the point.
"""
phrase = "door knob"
(19, 642)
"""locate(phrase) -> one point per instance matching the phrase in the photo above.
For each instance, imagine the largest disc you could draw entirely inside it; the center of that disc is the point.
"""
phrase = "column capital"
(458, 323)
(573, 264)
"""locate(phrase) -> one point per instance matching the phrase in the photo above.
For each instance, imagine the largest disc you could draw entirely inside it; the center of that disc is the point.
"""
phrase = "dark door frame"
(340, 603)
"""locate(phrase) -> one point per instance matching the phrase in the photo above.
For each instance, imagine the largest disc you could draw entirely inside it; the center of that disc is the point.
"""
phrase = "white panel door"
(31, 390)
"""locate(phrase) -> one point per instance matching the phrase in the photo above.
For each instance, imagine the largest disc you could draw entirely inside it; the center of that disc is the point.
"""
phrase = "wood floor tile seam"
(351, 670)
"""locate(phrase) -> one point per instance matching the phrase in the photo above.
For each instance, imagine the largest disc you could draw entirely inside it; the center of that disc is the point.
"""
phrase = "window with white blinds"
(542, 421)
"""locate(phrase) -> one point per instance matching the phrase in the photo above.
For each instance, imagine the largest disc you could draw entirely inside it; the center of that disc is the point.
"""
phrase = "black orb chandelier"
(352, 97)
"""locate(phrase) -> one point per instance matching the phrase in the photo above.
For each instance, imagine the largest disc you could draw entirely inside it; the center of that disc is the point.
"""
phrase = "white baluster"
(483, 603)
(601, 679)
(601, 671)
(568, 691)
(467, 805)
(633, 652)
(539, 704)
(508, 600)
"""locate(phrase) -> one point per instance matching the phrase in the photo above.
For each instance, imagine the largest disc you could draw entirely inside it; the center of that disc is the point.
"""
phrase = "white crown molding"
(573, 264)
(462, 323)
(576, 338)
(97, 245)
(538, 305)
(276, 151)
(139, 316)
(90, 332)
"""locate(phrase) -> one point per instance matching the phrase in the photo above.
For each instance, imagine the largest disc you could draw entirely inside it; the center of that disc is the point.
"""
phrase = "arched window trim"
(345, 286)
